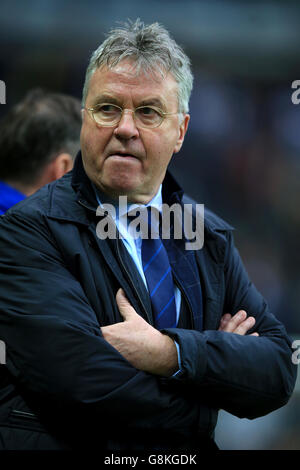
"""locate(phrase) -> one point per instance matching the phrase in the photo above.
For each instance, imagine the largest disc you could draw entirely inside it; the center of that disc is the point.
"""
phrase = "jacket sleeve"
(247, 376)
(54, 347)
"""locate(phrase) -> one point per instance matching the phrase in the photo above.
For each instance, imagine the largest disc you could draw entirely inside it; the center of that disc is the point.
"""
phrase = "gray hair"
(152, 49)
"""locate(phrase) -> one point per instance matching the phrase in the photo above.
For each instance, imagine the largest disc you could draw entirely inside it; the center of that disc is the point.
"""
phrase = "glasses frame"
(162, 114)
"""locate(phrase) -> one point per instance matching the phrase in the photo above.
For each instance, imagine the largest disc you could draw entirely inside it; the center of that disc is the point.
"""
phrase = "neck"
(114, 198)
(27, 190)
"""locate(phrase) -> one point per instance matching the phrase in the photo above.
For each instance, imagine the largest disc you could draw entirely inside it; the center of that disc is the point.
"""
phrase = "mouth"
(122, 156)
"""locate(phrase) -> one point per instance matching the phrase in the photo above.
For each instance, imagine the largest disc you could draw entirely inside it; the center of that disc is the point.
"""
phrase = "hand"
(238, 324)
(140, 343)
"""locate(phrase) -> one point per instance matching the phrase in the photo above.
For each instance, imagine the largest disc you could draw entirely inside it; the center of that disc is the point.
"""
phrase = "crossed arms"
(57, 351)
(151, 351)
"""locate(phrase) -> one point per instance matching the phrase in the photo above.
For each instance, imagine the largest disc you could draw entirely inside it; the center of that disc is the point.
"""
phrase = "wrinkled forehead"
(129, 75)
(140, 69)
(134, 69)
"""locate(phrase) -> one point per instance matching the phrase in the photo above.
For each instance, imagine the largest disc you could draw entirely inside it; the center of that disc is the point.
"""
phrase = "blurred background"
(241, 156)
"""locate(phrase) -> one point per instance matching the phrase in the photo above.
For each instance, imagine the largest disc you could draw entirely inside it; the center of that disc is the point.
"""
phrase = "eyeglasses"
(109, 115)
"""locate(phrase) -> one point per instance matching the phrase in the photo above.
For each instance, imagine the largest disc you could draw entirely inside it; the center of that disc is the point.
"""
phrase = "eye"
(106, 109)
(148, 116)
(147, 111)
(106, 113)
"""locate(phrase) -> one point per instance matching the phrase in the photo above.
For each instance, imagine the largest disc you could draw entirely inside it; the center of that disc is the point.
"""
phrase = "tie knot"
(145, 220)
(154, 215)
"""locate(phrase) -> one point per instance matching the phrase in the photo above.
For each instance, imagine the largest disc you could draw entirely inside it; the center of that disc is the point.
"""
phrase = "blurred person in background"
(39, 139)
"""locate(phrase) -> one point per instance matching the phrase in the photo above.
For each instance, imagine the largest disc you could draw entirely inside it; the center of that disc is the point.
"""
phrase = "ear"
(61, 165)
(182, 131)
(57, 168)
(54, 170)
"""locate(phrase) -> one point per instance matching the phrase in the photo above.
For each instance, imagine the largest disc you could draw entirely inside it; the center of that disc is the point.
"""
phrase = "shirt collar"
(123, 209)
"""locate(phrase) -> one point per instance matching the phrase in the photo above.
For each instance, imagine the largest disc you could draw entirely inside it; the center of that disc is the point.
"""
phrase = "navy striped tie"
(159, 279)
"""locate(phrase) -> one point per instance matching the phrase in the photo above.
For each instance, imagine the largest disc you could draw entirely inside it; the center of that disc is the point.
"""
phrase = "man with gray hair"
(129, 343)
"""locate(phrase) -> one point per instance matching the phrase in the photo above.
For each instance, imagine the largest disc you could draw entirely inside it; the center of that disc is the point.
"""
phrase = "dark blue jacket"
(64, 386)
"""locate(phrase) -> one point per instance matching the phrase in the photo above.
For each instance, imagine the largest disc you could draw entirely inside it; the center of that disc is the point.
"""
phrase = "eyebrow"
(105, 99)
(152, 102)
(110, 99)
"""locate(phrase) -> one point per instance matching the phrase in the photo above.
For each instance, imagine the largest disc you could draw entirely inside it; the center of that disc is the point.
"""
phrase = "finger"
(224, 320)
(254, 334)
(226, 317)
(125, 308)
(245, 326)
(232, 324)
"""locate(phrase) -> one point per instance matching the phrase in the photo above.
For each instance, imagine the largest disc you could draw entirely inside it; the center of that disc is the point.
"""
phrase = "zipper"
(131, 281)
(82, 203)
(185, 298)
(23, 414)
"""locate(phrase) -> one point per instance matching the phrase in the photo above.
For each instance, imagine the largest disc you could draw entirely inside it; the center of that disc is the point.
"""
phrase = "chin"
(120, 190)
(123, 186)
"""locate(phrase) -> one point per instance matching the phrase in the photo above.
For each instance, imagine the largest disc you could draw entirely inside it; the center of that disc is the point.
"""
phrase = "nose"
(126, 129)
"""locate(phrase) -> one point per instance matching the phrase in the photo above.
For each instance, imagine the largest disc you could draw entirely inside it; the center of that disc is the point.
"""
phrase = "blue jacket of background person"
(9, 196)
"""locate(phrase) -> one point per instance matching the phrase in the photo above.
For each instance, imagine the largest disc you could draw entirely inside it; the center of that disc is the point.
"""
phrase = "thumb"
(124, 306)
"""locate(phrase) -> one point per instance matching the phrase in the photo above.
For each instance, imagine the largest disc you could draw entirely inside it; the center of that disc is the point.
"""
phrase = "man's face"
(125, 160)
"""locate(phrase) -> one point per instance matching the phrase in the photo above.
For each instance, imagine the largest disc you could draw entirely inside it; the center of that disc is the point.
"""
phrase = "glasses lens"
(146, 116)
(107, 114)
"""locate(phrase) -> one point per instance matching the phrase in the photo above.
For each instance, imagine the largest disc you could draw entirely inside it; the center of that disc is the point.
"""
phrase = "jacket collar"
(82, 185)
(82, 196)
(73, 194)
(171, 191)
